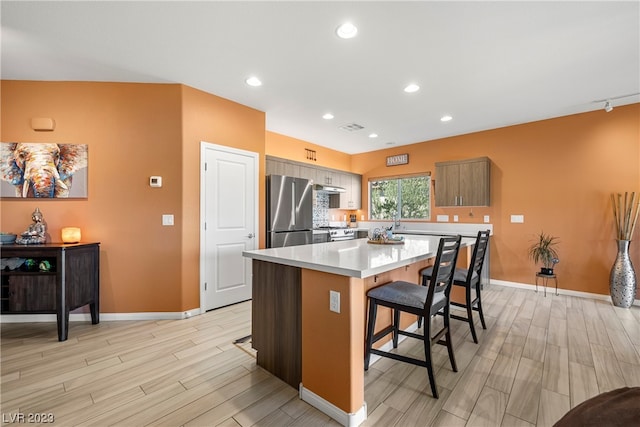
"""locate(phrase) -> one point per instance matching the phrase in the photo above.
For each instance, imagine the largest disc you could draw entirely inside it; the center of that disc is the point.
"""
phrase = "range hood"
(332, 189)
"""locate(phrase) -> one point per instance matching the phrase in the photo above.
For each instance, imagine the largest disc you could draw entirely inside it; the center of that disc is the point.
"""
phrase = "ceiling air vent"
(351, 127)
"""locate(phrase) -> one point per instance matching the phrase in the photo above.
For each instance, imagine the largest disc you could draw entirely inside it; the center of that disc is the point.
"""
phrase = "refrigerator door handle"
(293, 202)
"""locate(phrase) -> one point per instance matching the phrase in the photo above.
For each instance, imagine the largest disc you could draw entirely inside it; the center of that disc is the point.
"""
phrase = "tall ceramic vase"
(622, 280)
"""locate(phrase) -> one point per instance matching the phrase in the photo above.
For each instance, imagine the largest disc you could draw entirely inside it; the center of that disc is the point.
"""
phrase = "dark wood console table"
(72, 281)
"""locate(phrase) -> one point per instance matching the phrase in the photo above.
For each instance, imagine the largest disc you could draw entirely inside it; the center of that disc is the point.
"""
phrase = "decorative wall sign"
(399, 159)
(43, 170)
(311, 154)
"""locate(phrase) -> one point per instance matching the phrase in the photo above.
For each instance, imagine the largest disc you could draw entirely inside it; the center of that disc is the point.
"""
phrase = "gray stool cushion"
(405, 293)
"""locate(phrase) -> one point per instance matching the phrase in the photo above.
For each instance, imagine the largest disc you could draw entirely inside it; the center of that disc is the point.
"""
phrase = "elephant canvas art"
(43, 170)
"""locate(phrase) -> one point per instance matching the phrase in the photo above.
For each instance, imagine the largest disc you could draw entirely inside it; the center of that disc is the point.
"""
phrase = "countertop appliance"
(339, 233)
(289, 211)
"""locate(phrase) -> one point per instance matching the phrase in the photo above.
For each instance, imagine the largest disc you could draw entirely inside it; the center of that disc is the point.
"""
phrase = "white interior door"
(228, 212)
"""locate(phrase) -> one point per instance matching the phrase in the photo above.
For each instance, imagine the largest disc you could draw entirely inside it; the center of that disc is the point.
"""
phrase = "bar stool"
(425, 301)
(470, 279)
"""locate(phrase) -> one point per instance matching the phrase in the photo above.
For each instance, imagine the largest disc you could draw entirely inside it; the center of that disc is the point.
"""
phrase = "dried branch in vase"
(625, 214)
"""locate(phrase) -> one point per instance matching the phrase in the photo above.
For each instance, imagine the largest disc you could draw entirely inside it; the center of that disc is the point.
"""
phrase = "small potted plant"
(543, 251)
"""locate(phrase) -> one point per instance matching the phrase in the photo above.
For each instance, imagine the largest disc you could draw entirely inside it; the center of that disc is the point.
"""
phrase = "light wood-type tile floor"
(539, 357)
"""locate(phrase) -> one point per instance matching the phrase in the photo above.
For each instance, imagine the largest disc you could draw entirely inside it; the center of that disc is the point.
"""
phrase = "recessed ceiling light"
(412, 88)
(373, 135)
(253, 81)
(347, 31)
(327, 116)
(446, 118)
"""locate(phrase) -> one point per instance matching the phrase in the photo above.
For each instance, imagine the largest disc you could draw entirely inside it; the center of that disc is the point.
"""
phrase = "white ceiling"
(488, 64)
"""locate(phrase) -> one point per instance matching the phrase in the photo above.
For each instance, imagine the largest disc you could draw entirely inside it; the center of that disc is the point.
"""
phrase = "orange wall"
(133, 131)
(558, 173)
(286, 147)
(218, 121)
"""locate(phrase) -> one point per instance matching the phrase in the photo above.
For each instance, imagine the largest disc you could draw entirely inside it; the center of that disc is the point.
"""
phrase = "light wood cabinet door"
(308, 172)
(291, 169)
(345, 198)
(474, 184)
(275, 166)
(351, 199)
(325, 176)
(271, 166)
(356, 191)
(463, 183)
(447, 184)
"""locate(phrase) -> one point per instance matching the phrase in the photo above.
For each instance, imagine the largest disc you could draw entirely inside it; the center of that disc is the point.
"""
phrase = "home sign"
(399, 159)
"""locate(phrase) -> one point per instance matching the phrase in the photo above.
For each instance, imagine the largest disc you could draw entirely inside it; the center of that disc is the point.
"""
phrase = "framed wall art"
(43, 170)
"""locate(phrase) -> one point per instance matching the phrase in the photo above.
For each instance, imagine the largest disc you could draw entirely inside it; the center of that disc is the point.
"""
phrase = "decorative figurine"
(36, 233)
(30, 264)
(44, 265)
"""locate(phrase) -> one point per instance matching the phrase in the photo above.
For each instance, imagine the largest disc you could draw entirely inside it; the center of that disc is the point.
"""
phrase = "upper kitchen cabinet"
(275, 166)
(463, 182)
(308, 172)
(351, 199)
(356, 191)
(327, 177)
(352, 183)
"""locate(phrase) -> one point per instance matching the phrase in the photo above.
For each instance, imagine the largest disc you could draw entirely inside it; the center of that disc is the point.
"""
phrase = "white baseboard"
(107, 317)
(551, 290)
(344, 418)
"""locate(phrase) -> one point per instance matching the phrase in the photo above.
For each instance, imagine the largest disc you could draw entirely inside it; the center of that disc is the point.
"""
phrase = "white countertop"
(354, 258)
(431, 228)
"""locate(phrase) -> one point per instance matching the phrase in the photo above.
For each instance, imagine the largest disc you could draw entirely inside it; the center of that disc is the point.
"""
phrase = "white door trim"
(204, 145)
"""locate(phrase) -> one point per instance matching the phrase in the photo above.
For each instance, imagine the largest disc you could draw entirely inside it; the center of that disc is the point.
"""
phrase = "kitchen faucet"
(396, 220)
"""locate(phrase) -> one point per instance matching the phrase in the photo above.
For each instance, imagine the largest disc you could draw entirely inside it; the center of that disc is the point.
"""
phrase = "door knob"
(250, 235)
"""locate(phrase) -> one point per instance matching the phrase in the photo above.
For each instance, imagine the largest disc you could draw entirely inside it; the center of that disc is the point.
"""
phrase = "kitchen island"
(315, 342)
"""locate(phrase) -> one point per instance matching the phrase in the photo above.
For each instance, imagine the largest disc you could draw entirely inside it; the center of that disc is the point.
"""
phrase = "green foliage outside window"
(409, 196)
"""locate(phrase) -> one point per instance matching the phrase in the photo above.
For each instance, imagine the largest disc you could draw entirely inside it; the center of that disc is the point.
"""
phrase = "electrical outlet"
(455, 218)
(518, 219)
(167, 219)
(334, 301)
(486, 219)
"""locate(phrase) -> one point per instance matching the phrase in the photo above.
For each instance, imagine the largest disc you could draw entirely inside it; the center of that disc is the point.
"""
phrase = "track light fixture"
(608, 107)
(607, 101)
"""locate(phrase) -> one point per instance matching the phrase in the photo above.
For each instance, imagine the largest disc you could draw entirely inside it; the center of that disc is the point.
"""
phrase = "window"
(409, 195)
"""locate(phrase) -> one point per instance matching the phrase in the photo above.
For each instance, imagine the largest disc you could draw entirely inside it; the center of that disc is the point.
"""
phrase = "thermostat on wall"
(155, 181)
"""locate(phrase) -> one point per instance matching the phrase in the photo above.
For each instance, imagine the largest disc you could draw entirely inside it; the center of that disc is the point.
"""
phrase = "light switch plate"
(155, 181)
(167, 219)
(442, 218)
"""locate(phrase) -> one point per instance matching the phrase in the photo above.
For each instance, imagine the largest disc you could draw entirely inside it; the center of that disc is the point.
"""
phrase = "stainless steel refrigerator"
(289, 211)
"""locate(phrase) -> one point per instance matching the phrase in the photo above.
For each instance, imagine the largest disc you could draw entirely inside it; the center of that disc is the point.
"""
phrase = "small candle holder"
(71, 235)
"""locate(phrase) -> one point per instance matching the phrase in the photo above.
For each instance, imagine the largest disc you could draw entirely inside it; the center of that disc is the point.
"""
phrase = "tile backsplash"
(321, 209)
